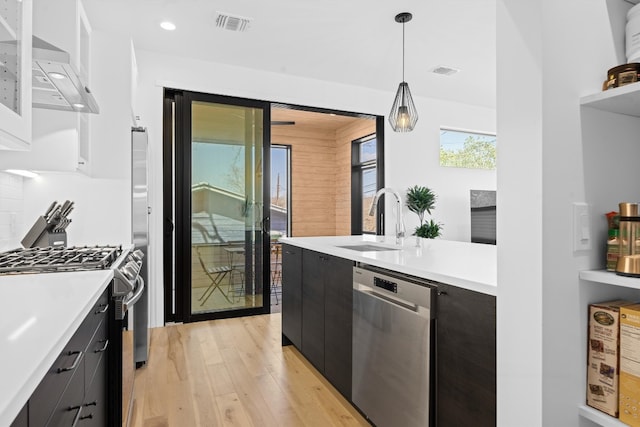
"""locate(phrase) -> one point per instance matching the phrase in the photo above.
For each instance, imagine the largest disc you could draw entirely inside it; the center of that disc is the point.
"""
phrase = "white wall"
(554, 153)
(414, 159)
(410, 159)
(519, 220)
(11, 211)
(102, 210)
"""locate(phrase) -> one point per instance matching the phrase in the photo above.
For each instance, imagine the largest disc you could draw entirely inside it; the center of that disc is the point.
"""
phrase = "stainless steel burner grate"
(58, 259)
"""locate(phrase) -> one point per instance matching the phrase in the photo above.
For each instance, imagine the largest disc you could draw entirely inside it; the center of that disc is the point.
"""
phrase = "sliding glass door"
(221, 151)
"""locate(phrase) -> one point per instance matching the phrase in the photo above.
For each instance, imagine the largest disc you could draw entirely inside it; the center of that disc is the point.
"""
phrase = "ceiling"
(354, 42)
(311, 120)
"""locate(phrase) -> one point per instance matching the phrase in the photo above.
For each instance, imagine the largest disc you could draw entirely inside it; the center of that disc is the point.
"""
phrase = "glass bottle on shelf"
(628, 263)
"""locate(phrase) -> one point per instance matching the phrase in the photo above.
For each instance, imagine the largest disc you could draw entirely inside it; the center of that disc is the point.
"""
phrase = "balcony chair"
(216, 274)
(276, 270)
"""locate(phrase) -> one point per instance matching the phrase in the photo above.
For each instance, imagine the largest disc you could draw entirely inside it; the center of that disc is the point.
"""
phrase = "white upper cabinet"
(59, 138)
(15, 74)
(97, 145)
(83, 63)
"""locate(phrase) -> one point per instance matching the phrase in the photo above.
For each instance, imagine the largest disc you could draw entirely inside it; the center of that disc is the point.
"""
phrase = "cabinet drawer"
(56, 379)
(98, 313)
(98, 346)
(70, 402)
(94, 413)
(48, 392)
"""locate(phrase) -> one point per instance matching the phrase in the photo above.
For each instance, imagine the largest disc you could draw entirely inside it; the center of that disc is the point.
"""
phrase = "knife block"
(41, 235)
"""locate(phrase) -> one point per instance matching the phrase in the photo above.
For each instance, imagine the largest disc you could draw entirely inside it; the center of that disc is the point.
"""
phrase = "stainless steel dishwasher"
(392, 341)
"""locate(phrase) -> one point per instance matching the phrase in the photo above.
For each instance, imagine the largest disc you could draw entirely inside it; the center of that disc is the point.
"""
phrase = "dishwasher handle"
(405, 305)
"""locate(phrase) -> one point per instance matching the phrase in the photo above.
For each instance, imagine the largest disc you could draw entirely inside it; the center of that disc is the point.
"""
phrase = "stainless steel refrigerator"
(140, 211)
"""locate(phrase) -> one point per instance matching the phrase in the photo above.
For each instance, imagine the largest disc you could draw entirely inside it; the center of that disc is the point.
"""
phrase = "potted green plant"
(421, 200)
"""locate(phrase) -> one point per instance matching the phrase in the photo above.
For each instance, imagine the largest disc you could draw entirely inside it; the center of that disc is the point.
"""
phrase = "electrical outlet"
(581, 227)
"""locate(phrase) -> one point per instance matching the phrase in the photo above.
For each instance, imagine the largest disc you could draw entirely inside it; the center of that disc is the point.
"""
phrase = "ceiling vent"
(445, 71)
(230, 22)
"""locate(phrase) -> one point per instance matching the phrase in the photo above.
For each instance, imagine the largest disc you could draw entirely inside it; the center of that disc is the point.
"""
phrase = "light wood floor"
(233, 372)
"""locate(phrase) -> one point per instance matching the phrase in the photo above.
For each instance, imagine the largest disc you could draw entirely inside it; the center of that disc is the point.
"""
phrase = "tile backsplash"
(11, 211)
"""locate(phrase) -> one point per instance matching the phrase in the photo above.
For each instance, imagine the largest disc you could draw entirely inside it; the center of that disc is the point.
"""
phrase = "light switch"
(581, 227)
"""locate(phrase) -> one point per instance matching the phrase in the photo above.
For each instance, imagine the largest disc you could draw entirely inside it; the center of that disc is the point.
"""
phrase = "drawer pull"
(104, 347)
(77, 417)
(74, 365)
(90, 416)
(104, 309)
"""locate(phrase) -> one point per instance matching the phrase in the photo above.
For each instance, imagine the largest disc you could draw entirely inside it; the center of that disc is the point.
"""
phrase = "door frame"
(175, 98)
(356, 183)
(177, 247)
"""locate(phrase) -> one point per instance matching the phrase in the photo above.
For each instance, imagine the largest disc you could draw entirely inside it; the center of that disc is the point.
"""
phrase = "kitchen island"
(318, 313)
(470, 266)
(41, 313)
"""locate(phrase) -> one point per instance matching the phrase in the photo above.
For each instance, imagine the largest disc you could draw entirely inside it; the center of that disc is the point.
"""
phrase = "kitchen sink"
(367, 247)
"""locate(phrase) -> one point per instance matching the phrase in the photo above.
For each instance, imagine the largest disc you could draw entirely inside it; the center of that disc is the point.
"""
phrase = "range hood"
(56, 84)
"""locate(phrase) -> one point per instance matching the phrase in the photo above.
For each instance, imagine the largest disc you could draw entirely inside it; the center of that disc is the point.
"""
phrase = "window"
(364, 178)
(460, 149)
(280, 189)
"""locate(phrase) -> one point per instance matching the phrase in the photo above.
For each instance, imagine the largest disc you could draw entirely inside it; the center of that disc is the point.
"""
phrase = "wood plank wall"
(321, 176)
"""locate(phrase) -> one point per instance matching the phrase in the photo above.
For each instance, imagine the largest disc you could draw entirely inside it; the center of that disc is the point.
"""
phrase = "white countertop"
(40, 313)
(471, 266)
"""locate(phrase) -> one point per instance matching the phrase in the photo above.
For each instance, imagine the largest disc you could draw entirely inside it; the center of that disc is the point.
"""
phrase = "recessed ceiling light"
(58, 76)
(79, 106)
(169, 26)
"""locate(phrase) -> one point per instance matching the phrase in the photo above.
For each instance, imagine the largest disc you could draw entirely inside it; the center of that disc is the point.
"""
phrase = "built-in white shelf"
(6, 31)
(610, 278)
(622, 100)
(599, 417)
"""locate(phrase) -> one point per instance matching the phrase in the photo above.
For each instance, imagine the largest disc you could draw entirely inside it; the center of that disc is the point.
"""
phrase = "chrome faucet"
(399, 219)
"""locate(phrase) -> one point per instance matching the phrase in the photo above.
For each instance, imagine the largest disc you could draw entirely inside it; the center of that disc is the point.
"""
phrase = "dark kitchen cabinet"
(338, 320)
(74, 391)
(318, 289)
(314, 265)
(465, 358)
(292, 295)
(95, 403)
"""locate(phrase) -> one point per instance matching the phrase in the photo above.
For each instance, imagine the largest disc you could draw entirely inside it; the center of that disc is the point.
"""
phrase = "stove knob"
(128, 272)
(138, 254)
(134, 267)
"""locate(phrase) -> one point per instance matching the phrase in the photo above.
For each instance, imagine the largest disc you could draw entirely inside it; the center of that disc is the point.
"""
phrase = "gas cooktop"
(58, 259)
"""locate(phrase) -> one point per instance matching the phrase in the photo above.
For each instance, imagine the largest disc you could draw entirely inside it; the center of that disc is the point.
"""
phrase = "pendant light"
(403, 115)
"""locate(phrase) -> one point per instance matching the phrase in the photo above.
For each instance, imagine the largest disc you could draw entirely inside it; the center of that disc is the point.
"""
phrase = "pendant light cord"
(403, 51)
